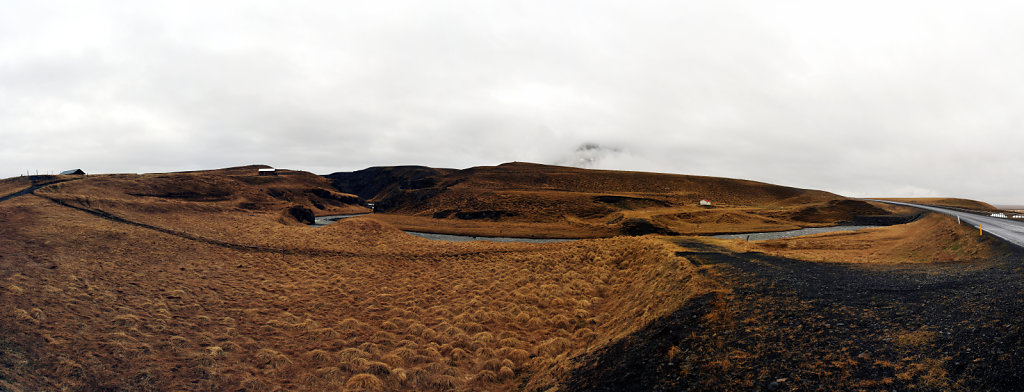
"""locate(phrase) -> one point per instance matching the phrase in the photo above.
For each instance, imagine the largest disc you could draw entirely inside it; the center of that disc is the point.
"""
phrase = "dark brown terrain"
(214, 280)
(524, 199)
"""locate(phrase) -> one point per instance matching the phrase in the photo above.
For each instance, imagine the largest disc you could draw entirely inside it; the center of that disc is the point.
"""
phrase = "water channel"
(328, 219)
(791, 233)
(321, 221)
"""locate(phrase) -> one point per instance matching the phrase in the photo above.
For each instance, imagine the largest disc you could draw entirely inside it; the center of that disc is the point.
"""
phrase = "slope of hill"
(207, 280)
(946, 202)
(539, 200)
(202, 281)
(933, 238)
(232, 189)
(12, 185)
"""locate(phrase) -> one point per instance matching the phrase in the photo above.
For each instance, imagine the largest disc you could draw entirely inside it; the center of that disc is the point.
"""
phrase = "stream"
(325, 220)
(791, 233)
(321, 221)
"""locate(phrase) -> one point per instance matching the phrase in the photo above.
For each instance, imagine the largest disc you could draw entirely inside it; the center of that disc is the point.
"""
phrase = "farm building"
(705, 202)
(73, 172)
(268, 172)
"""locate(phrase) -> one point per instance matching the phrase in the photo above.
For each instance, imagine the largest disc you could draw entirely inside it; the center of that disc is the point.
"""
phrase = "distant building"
(78, 172)
(1018, 217)
(705, 202)
(268, 172)
(998, 215)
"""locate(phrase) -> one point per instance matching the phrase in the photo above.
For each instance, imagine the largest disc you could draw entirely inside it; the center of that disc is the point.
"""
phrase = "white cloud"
(866, 97)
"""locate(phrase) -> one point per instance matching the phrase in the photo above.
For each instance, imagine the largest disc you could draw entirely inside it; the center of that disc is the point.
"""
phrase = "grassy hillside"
(554, 201)
(233, 190)
(934, 238)
(946, 202)
(196, 281)
(207, 281)
(14, 184)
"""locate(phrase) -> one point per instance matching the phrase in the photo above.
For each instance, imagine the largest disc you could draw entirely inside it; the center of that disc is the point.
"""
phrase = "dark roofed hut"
(73, 172)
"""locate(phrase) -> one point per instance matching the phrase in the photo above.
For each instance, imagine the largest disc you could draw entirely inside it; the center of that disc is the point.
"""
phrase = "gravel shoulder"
(795, 325)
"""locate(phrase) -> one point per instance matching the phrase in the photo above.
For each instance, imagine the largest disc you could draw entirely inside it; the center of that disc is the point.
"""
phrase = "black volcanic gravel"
(795, 325)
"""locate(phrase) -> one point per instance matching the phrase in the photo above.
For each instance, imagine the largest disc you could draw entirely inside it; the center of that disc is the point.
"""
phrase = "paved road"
(1008, 229)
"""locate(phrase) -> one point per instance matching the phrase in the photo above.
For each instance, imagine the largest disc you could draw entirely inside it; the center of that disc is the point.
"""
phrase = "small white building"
(268, 172)
(705, 202)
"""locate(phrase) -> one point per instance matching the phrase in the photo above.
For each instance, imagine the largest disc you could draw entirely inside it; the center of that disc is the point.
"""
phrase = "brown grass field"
(946, 202)
(171, 290)
(525, 199)
(933, 238)
(204, 281)
(12, 185)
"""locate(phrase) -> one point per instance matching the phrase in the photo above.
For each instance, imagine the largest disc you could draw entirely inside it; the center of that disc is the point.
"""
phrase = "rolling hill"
(541, 200)
(207, 281)
(210, 280)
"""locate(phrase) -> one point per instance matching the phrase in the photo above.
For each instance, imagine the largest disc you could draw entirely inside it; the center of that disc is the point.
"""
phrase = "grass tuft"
(364, 382)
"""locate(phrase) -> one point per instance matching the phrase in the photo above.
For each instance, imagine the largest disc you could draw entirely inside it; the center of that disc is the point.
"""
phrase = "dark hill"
(533, 193)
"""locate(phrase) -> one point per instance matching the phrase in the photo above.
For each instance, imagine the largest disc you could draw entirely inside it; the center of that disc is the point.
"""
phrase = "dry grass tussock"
(933, 238)
(93, 304)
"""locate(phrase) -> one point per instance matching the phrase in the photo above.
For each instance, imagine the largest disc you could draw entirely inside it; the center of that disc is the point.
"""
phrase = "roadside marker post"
(980, 231)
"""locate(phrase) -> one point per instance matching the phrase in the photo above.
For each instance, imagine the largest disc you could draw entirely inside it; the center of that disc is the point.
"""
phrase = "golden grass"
(522, 200)
(357, 304)
(945, 202)
(915, 338)
(933, 238)
(14, 184)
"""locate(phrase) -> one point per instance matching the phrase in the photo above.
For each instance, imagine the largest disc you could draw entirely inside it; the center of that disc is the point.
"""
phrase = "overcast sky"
(864, 98)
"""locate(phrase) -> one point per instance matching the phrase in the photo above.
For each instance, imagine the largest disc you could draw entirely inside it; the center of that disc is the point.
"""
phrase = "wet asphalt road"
(1010, 230)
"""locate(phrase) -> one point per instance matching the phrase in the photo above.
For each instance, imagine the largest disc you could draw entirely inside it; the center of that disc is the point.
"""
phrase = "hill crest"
(585, 201)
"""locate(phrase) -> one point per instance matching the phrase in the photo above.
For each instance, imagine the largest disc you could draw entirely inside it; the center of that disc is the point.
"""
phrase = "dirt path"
(36, 184)
(793, 325)
(22, 192)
